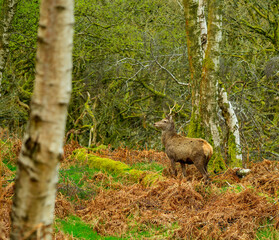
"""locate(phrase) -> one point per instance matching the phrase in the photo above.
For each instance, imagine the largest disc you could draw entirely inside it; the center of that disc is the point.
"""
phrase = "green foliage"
(9, 150)
(127, 40)
(250, 55)
(124, 52)
(216, 164)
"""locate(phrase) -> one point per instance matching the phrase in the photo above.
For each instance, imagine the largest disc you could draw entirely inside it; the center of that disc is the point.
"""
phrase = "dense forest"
(130, 65)
(213, 64)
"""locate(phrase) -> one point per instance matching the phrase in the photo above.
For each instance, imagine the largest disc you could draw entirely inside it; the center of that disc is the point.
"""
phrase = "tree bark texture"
(234, 144)
(8, 12)
(42, 149)
(209, 79)
(194, 49)
(203, 43)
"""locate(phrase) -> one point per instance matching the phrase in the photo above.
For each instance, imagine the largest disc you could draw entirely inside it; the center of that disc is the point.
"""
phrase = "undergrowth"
(97, 204)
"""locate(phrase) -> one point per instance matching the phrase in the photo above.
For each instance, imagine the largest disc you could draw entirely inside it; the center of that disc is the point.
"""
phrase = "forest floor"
(99, 204)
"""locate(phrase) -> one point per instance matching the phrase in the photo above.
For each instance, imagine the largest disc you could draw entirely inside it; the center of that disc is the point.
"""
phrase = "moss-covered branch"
(116, 167)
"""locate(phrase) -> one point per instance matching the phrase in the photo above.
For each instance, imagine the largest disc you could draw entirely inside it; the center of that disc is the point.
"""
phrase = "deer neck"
(166, 135)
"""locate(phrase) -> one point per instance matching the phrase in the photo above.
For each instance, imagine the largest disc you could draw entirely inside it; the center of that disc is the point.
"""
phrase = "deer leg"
(205, 175)
(174, 171)
(183, 167)
(203, 171)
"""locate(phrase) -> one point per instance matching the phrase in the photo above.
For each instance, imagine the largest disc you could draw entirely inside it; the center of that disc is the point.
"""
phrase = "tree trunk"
(234, 145)
(203, 43)
(209, 81)
(8, 12)
(194, 51)
(42, 149)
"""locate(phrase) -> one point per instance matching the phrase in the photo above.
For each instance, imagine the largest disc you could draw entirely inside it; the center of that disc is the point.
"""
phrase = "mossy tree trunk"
(42, 148)
(6, 17)
(194, 51)
(203, 42)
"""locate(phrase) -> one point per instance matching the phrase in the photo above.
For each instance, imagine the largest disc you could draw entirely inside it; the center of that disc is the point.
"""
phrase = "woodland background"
(125, 54)
(130, 66)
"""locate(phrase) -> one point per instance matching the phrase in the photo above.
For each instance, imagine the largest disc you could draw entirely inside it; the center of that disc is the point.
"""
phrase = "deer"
(184, 150)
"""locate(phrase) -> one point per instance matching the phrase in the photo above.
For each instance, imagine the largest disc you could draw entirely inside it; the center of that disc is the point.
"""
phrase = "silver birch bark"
(233, 127)
(8, 12)
(203, 26)
(203, 42)
(38, 164)
(215, 38)
(209, 81)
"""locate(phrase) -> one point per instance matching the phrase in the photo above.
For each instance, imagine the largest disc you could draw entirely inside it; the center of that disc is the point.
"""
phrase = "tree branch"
(162, 95)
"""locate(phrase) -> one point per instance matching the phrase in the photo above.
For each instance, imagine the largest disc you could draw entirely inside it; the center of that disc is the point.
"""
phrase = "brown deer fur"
(183, 149)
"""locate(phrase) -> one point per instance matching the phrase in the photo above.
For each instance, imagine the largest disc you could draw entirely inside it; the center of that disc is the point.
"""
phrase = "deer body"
(183, 149)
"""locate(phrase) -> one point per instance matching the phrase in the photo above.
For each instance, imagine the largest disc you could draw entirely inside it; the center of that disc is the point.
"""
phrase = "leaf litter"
(186, 208)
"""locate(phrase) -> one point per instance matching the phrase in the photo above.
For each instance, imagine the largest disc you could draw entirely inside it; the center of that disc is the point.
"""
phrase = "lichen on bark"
(233, 152)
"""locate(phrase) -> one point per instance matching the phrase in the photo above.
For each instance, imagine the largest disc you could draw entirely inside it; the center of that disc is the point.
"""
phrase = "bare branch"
(172, 76)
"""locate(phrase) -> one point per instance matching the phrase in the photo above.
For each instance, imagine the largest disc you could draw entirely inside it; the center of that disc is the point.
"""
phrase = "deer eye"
(165, 121)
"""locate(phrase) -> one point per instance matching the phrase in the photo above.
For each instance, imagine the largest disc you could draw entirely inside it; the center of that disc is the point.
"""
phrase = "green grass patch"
(77, 228)
(81, 181)
(11, 166)
(267, 232)
(74, 226)
(73, 182)
(152, 166)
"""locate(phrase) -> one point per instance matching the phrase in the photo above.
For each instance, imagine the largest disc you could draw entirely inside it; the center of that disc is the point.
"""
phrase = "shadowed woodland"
(133, 61)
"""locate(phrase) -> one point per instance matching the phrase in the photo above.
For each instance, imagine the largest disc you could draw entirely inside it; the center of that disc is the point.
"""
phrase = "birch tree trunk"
(38, 164)
(234, 144)
(209, 80)
(194, 55)
(212, 65)
(7, 15)
(203, 43)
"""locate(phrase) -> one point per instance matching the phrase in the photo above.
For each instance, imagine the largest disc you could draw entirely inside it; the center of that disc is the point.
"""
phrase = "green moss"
(208, 62)
(116, 167)
(195, 128)
(99, 148)
(105, 164)
(216, 163)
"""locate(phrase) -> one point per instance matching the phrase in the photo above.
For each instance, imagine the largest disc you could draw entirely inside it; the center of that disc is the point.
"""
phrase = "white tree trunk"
(8, 12)
(203, 26)
(231, 120)
(211, 66)
(42, 149)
